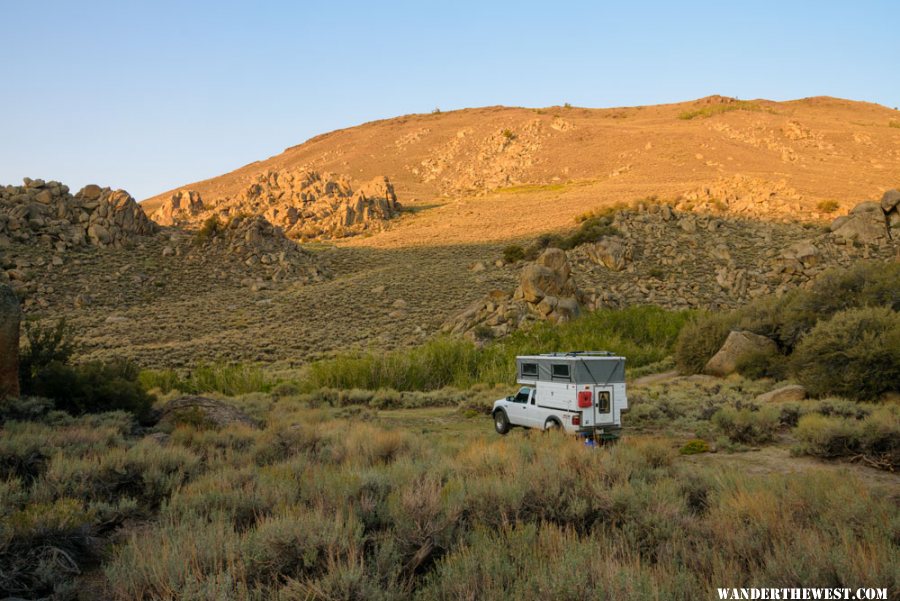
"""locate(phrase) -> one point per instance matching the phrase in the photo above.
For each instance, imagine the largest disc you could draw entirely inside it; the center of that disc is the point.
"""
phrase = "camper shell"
(579, 392)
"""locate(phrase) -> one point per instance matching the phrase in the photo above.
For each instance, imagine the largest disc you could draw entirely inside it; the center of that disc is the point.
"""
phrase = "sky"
(150, 95)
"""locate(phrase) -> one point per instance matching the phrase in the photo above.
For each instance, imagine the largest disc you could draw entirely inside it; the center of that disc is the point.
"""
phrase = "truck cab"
(578, 392)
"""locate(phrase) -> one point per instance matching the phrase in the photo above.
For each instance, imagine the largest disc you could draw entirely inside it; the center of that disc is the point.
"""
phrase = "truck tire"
(501, 422)
(552, 425)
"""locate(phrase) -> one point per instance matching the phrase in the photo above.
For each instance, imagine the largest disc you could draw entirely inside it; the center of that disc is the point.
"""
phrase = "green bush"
(208, 230)
(43, 345)
(763, 364)
(93, 387)
(747, 426)
(865, 284)
(694, 447)
(855, 354)
(787, 319)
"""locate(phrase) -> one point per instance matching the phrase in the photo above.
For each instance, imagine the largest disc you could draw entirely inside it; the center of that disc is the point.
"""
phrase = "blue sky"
(150, 95)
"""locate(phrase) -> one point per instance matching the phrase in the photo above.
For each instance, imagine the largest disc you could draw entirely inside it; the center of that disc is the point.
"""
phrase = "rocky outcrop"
(547, 287)
(253, 241)
(181, 207)
(10, 317)
(866, 223)
(46, 212)
(202, 411)
(737, 345)
(305, 204)
(546, 291)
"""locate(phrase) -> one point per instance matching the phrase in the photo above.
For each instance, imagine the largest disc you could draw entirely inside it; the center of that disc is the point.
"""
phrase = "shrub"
(694, 447)
(828, 206)
(208, 230)
(763, 364)
(855, 354)
(865, 284)
(513, 253)
(874, 439)
(747, 426)
(44, 345)
(93, 387)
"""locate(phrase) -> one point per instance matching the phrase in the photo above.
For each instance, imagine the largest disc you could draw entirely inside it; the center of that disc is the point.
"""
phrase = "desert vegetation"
(316, 505)
(838, 336)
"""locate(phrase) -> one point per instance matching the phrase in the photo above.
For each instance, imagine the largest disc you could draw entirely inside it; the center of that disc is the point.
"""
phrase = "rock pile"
(10, 316)
(253, 241)
(673, 259)
(546, 291)
(305, 204)
(46, 212)
(744, 196)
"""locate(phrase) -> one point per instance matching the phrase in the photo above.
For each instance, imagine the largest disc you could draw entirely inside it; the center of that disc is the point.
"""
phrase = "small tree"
(44, 345)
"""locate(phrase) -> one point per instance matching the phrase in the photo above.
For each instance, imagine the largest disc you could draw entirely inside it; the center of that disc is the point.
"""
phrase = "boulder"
(890, 201)
(609, 252)
(792, 392)
(181, 206)
(738, 344)
(197, 408)
(10, 316)
(865, 223)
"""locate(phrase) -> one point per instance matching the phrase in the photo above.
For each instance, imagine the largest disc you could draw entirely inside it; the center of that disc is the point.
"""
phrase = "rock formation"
(253, 241)
(305, 204)
(546, 291)
(46, 212)
(9, 342)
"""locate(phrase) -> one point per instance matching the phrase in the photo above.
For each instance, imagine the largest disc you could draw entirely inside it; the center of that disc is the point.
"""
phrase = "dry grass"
(320, 506)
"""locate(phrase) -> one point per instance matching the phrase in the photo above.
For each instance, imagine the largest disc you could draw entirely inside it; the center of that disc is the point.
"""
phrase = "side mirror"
(509, 398)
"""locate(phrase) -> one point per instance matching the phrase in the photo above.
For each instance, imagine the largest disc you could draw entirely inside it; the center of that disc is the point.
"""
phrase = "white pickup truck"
(578, 392)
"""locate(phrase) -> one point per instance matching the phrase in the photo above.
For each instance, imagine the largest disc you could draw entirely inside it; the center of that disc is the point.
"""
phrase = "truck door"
(519, 408)
(603, 405)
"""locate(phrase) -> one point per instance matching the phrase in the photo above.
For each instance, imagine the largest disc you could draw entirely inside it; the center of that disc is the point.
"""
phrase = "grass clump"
(231, 379)
(695, 447)
(750, 426)
(828, 206)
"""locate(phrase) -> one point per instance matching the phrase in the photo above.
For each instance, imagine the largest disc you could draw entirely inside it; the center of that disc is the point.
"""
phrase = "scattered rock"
(211, 411)
(792, 392)
(738, 344)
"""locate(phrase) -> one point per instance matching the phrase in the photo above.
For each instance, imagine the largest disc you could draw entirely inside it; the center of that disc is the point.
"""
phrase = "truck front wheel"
(501, 422)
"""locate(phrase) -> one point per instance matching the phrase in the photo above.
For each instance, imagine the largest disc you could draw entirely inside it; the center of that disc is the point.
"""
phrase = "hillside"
(397, 230)
(500, 173)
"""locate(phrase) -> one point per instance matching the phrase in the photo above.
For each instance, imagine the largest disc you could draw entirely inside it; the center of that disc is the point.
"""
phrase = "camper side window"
(560, 371)
(529, 369)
